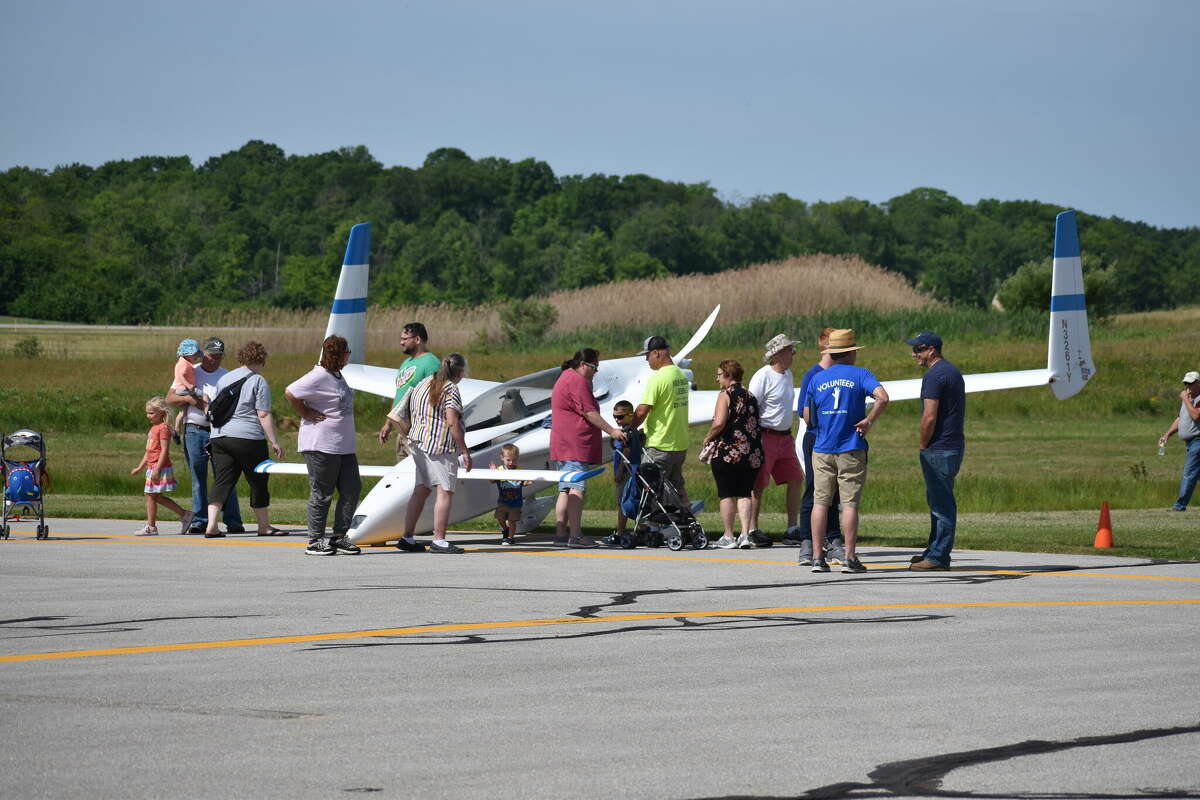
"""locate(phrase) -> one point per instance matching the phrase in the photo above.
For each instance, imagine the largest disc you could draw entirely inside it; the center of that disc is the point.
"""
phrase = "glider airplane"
(516, 411)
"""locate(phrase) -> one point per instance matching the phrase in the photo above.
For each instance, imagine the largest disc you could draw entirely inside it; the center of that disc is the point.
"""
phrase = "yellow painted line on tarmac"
(421, 630)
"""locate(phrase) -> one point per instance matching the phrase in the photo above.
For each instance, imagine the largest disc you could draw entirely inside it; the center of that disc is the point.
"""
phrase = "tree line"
(139, 240)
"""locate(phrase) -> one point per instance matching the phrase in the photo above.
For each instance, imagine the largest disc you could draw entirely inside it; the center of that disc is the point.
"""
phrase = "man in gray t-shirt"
(1187, 425)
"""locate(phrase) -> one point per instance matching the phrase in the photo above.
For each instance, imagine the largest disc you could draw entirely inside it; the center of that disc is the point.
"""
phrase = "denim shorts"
(573, 466)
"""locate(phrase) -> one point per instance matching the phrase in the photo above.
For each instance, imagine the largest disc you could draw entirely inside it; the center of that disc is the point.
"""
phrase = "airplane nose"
(380, 515)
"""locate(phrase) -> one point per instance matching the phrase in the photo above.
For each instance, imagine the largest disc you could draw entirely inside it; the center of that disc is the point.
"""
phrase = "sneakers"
(410, 547)
(508, 541)
(194, 529)
(580, 542)
(146, 530)
(442, 546)
(185, 522)
(760, 539)
(792, 538)
(925, 565)
(743, 541)
(342, 546)
(853, 565)
(612, 540)
(806, 553)
(725, 543)
(819, 565)
(835, 551)
(321, 547)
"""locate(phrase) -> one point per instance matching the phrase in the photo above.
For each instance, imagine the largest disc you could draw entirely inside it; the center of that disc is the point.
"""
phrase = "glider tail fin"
(1070, 355)
(348, 316)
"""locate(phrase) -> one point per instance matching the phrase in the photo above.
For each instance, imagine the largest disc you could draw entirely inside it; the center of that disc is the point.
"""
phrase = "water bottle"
(1162, 448)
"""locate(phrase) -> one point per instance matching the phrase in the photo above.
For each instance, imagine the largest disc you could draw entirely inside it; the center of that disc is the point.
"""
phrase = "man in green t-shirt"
(419, 365)
(664, 409)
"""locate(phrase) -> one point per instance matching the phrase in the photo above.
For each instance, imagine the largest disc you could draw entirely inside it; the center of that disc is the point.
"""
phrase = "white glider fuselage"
(516, 411)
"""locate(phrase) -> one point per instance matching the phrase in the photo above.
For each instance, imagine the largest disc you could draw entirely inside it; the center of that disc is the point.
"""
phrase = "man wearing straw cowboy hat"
(774, 389)
(835, 405)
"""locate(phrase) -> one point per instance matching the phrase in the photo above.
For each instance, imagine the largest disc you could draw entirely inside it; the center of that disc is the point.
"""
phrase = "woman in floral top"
(733, 448)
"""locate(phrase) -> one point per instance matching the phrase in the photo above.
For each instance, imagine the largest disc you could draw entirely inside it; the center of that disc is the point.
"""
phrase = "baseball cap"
(1191, 377)
(214, 345)
(187, 347)
(926, 339)
(654, 343)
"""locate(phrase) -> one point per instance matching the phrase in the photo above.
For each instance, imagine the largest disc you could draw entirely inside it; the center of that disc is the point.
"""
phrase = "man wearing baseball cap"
(195, 436)
(943, 407)
(1187, 425)
(664, 409)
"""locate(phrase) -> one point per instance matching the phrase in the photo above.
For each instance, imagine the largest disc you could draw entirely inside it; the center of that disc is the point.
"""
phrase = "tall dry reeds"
(796, 286)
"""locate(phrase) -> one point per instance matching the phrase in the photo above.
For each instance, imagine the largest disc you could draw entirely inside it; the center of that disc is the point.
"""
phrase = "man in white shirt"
(774, 388)
(195, 436)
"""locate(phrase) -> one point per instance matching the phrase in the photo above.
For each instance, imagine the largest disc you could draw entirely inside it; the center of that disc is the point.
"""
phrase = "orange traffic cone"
(1104, 537)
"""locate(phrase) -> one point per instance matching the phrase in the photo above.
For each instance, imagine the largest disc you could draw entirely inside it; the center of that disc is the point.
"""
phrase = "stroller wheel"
(699, 540)
(43, 532)
(674, 538)
(628, 541)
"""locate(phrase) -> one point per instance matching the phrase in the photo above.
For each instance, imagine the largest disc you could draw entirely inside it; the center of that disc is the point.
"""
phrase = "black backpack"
(221, 408)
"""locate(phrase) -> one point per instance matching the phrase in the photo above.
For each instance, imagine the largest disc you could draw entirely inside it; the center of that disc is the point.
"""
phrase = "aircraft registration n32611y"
(516, 411)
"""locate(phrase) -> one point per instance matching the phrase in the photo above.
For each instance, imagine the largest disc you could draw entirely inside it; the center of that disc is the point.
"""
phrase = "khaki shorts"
(844, 472)
(508, 513)
(435, 470)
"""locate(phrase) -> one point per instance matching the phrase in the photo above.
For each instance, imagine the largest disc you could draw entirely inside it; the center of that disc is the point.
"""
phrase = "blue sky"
(1093, 105)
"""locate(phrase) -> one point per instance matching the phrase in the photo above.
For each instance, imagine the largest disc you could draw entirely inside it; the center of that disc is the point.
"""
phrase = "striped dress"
(429, 430)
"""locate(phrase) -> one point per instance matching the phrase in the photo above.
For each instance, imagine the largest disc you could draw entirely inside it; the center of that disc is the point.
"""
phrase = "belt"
(788, 432)
(201, 427)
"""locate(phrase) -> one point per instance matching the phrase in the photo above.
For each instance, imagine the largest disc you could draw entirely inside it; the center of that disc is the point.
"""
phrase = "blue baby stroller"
(658, 513)
(24, 481)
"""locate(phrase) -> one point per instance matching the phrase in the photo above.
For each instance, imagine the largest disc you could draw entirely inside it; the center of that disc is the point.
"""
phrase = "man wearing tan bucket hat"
(835, 406)
(774, 388)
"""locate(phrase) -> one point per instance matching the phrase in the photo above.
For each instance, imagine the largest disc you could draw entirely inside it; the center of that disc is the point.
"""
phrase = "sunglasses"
(921, 348)
(595, 367)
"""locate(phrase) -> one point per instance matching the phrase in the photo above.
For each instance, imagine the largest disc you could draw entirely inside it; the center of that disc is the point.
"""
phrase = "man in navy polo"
(944, 405)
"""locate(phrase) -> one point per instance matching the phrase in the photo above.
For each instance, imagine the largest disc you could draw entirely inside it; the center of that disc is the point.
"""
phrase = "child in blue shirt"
(510, 502)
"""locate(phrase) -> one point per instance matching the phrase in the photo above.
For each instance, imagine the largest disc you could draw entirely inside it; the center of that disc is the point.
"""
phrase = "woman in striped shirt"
(431, 413)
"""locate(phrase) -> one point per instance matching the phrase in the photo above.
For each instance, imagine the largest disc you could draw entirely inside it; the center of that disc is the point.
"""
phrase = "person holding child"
(156, 462)
(733, 449)
(325, 405)
(576, 441)
(510, 502)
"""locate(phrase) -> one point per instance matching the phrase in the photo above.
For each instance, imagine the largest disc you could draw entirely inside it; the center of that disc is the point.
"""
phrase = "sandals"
(272, 531)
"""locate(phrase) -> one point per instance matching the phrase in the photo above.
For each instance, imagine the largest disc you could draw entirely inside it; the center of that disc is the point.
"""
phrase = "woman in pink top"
(575, 440)
(326, 408)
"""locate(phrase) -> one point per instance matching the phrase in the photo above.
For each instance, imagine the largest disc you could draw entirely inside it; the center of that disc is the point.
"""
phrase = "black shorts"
(232, 457)
(734, 481)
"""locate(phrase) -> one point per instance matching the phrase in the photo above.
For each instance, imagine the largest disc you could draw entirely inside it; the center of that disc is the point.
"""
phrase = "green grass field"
(1034, 477)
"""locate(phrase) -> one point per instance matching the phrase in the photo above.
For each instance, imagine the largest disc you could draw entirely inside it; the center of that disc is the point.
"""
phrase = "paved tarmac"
(239, 667)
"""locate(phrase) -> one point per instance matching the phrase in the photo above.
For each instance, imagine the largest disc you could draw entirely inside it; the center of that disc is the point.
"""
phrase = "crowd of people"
(227, 424)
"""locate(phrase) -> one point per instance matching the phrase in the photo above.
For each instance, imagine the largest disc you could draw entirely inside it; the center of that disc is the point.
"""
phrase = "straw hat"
(777, 345)
(841, 341)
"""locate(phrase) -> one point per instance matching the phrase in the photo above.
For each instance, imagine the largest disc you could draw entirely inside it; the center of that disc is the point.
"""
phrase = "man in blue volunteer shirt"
(835, 405)
(944, 404)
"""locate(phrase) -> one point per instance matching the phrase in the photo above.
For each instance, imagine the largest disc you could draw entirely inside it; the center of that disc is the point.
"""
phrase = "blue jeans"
(194, 440)
(940, 468)
(1191, 472)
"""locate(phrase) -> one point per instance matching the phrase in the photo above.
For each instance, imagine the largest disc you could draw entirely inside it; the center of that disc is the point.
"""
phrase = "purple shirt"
(326, 393)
